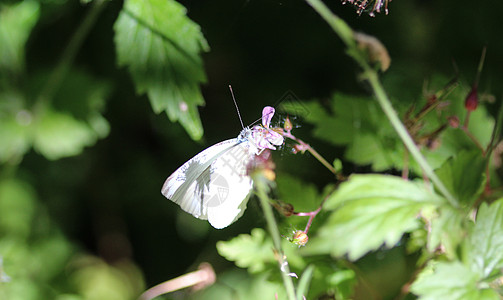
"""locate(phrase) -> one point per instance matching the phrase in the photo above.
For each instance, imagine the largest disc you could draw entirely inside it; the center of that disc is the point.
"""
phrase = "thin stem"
(341, 28)
(71, 50)
(261, 188)
(315, 153)
(313, 213)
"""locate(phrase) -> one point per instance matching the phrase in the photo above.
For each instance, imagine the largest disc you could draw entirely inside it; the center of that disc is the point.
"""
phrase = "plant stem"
(315, 153)
(71, 50)
(261, 188)
(345, 33)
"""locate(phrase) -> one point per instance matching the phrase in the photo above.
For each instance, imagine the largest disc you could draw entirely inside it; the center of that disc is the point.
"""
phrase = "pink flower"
(263, 136)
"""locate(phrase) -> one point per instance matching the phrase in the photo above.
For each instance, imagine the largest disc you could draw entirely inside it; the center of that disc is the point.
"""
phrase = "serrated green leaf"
(359, 124)
(446, 230)
(250, 251)
(450, 281)
(370, 211)
(16, 23)
(464, 176)
(160, 46)
(58, 135)
(486, 240)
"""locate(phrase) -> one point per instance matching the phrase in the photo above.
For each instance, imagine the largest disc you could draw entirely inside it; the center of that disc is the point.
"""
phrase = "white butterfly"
(214, 185)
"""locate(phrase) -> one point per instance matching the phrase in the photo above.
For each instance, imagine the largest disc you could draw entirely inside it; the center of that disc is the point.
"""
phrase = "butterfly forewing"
(189, 183)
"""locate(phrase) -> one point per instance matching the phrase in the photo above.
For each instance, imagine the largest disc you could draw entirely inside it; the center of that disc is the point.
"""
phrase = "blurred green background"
(69, 225)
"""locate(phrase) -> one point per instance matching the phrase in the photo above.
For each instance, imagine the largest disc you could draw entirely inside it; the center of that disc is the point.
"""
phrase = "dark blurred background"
(108, 199)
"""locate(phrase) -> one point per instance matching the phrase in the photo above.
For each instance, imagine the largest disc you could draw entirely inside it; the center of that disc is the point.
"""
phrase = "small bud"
(300, 238)
(375, 49)
(472, 99)
(283, 208)
(288, 126)
(299, 148)
(453, 121)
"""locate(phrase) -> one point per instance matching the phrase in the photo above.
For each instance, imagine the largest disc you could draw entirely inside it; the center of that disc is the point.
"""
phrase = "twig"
(201, 278)
(60, 71)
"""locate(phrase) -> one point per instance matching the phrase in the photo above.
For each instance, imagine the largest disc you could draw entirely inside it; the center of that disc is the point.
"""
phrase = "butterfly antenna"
(237, 108)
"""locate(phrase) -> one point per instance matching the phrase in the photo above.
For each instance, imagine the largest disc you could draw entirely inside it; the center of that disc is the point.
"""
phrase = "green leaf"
(15, 136)
(303, 196)
(252, 251)
(450, 281)
(16, 23)
(161, 46)
(447, 230)
(370, 211)
(359, 124)
(58, 135)
(486, 240)
(84, 97)
(17, 208)
(237, 284)
(464, 176)
(304, 282)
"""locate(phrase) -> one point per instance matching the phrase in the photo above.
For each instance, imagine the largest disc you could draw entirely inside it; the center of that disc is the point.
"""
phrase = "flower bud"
(283, 208)
(300, 238)
(288, 126)
(453, 121)
(472, 99)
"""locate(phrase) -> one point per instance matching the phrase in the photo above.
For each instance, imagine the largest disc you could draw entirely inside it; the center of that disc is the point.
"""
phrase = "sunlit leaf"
(60, 135)
(450, 281)
(446, 230)
(96, 279)
(486, 240)
(15, 137)
(237, 284)
(464, 176)
(250, 251)
(16, 23)
(370, 211)
(160, 46)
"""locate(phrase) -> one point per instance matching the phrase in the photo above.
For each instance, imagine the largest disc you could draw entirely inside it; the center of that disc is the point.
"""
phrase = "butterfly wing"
(230, 186)
(189, 184)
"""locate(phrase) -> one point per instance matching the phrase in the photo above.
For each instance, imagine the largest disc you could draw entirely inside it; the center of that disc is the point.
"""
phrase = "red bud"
(472, 100)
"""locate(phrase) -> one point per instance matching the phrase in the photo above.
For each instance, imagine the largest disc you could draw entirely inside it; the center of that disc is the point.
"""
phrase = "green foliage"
(54, 103)
(16, 23)
(314, 277)
(452, 281)
(73, 121)
(237, 284)
(485, 244)
(355, 122)
(160, 45)
(370, 211)
(464, 176)
(251, 251)
(447, 230)
(471, 277)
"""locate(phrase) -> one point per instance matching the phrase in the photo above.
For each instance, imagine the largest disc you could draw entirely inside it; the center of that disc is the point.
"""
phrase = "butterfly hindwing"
(189, 183)
(230, 186)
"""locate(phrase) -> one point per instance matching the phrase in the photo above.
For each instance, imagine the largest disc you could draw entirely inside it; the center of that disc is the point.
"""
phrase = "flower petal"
(267, 114)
